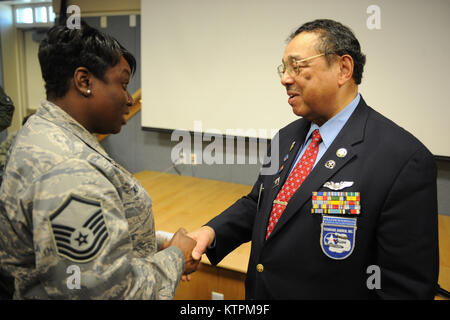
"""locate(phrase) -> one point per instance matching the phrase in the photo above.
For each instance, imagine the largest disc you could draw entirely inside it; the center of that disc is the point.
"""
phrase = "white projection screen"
(210, 65)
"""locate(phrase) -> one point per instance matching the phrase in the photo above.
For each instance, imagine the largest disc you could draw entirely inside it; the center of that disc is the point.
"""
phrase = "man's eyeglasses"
(294, 65)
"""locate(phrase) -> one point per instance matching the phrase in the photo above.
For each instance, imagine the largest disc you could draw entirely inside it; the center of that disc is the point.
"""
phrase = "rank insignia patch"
(79, 229)
(337, 236)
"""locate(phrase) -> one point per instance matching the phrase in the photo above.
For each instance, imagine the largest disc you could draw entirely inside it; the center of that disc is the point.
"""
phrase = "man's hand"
(204, 237)
(186, 245)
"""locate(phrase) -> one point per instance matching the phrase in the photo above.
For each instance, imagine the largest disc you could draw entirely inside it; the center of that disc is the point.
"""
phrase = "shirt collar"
(58, 116)
(330, 129)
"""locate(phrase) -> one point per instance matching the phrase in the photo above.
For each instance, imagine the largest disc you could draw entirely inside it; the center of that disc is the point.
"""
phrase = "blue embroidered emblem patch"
(337, 237)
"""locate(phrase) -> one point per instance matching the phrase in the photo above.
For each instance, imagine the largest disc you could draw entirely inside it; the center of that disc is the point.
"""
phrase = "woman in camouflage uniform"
(74, 224)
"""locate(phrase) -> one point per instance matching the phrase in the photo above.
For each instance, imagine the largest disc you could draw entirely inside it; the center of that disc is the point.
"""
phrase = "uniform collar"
(62, 119)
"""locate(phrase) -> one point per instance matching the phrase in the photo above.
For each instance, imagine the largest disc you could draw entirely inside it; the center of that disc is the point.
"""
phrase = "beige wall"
(35, 85)
(21, 71)
(12, 56)
(89, 7)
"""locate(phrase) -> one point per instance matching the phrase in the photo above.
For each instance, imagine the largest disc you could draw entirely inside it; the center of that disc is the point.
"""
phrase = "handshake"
(192, 245)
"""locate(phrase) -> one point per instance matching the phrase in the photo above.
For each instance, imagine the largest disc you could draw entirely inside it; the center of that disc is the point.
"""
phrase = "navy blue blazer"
(394, 243)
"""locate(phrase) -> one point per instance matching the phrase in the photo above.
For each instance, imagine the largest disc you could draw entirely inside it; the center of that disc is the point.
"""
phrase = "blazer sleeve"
(234, 226)
(407, 235)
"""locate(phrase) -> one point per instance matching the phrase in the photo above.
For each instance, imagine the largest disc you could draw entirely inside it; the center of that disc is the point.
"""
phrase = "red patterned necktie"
(294, 181)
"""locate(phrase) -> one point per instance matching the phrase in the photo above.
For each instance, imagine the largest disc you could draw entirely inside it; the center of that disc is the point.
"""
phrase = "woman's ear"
(82, 81)
(345, 69)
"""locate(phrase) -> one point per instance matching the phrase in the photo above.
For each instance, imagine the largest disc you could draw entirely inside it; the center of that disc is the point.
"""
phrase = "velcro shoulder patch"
(79, 229)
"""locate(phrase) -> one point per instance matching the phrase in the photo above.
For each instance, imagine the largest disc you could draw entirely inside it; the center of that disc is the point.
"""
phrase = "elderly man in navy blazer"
(352, 211)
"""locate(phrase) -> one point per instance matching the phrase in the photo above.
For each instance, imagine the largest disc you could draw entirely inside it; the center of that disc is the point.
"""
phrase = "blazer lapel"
(294, 139)
(351, 134)
(285, 166)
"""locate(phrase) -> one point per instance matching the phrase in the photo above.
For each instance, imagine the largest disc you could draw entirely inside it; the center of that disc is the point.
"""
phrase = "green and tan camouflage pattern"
(4, 152)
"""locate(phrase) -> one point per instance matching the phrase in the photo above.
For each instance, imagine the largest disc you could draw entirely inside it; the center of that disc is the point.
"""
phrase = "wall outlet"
(103, 22)
(182, 158)
(187, 158)
(193, 159)
(216, 295)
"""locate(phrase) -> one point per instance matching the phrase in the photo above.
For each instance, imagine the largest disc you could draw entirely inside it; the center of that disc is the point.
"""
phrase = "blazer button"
(260, 268)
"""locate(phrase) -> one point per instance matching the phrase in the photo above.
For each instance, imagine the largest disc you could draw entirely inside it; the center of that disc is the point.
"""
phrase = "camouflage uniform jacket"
(76, 225)
(4, 150)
